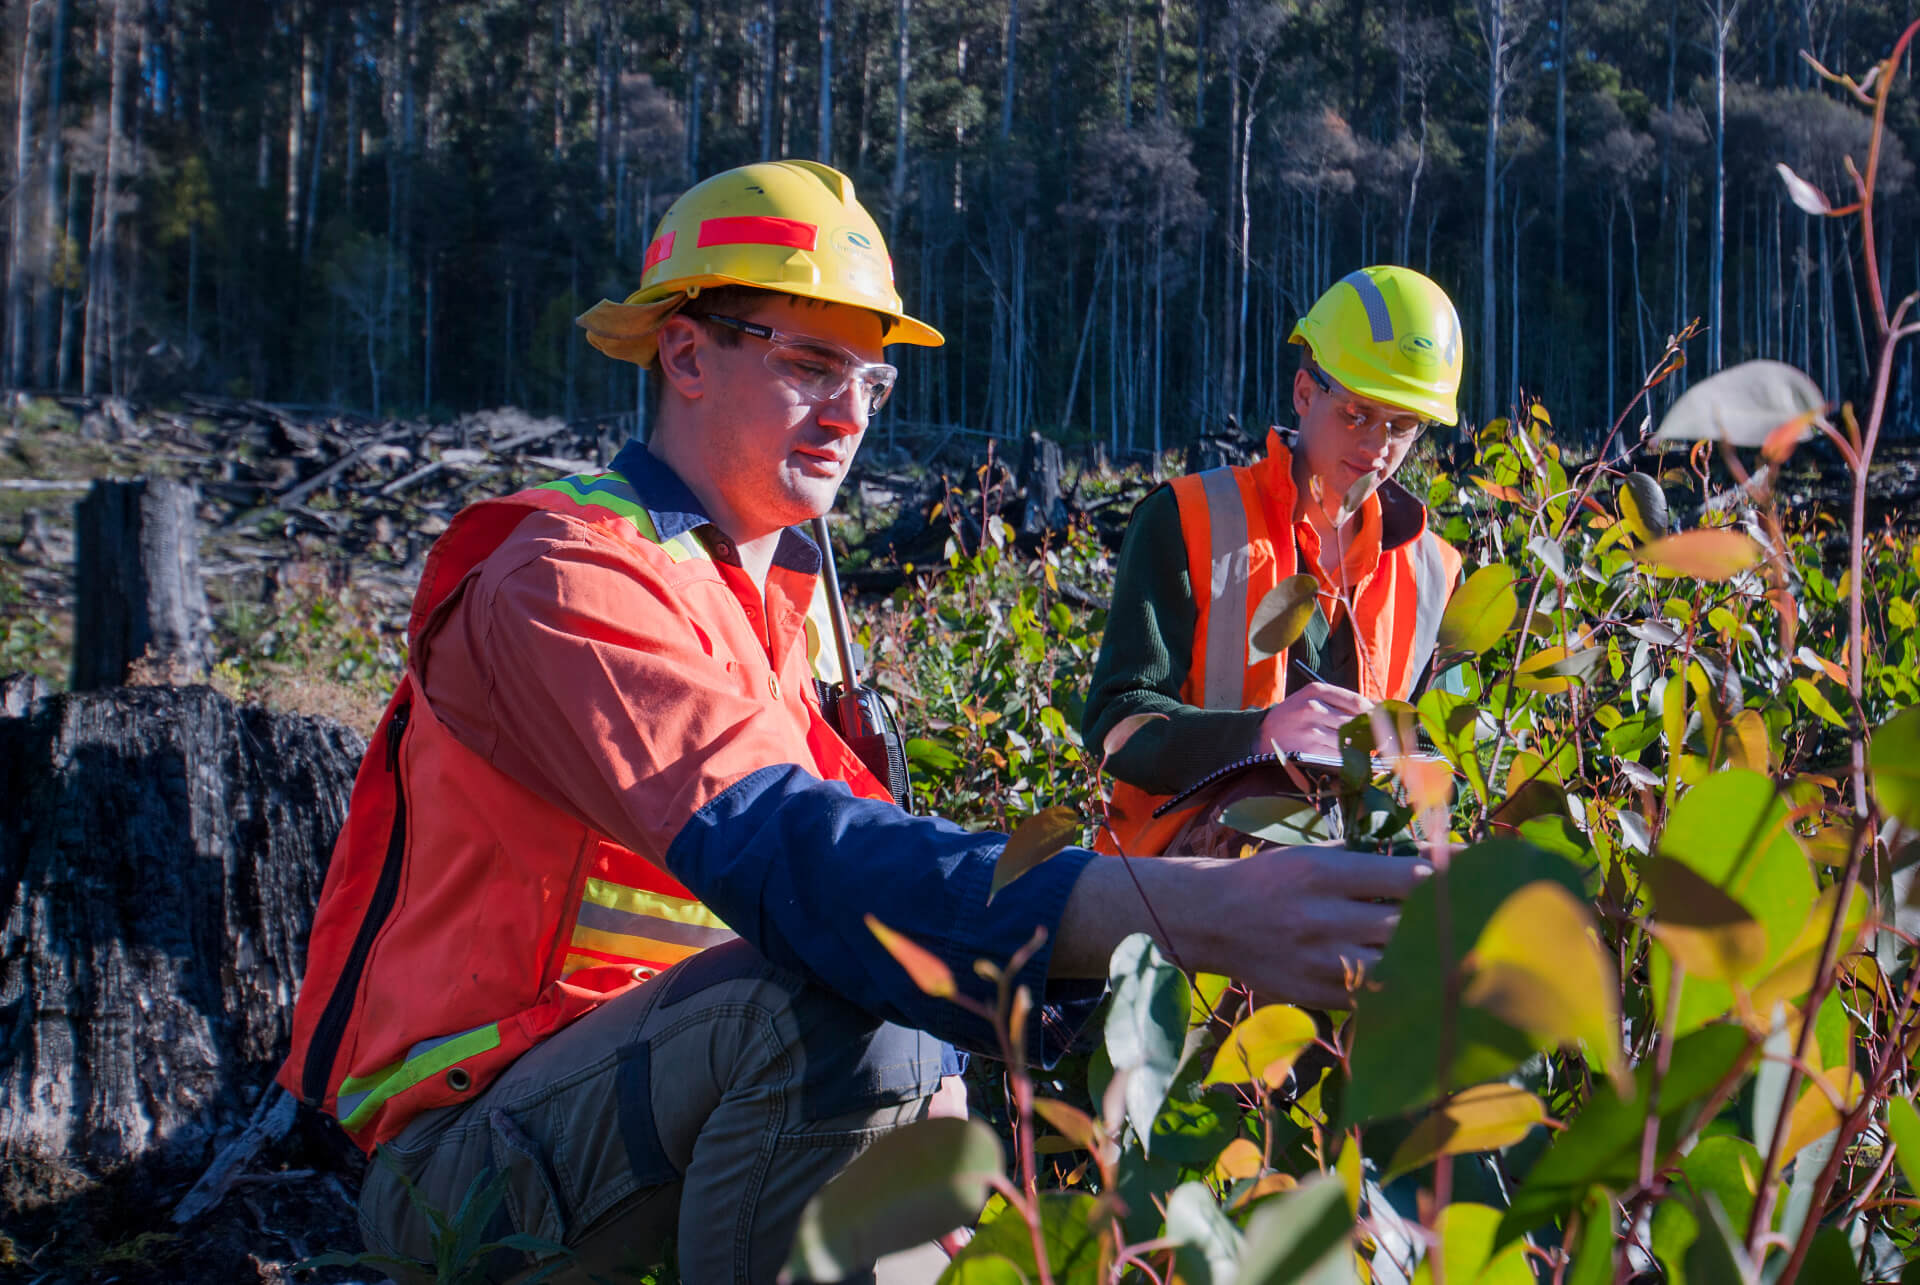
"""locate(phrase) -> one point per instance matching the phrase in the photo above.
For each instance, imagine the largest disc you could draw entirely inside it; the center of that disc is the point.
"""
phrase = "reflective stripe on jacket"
(1238, 527)
(465, 917)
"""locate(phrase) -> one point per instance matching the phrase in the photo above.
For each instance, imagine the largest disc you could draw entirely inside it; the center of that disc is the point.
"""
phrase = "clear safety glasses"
(817, 370)
(1400, 428)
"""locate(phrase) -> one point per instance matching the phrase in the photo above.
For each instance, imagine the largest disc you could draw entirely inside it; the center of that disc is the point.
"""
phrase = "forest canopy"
(1114, 208)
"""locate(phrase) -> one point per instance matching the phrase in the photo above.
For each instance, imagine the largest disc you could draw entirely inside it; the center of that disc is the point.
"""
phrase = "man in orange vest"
(1381, 359)
(596, 927)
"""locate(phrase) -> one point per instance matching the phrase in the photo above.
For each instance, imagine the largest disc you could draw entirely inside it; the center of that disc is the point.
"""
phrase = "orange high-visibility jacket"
(1238, 527)
(455, 934)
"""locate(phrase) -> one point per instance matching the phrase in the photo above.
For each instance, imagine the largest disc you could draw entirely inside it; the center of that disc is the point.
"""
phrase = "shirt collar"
(676, 510)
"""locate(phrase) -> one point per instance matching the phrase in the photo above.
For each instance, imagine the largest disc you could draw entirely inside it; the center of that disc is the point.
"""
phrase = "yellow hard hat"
(1389, 334)
(791, 226)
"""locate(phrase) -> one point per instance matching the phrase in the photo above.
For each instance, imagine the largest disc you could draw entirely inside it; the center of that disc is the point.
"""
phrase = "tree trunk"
(1496, 88)
(902, 34)
(138, 598)
(1560, 147)
(17, 239)
(824, 148)
(1009, 71)
(51, 214)
(161, 882)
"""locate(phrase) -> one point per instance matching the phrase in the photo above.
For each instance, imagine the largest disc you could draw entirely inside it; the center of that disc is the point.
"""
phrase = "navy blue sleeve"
(794, 864)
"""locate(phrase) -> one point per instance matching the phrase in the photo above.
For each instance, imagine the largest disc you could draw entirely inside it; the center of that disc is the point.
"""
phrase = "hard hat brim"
(630, 331)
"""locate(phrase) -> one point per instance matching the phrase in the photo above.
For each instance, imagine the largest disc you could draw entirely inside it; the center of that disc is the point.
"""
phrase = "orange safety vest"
(465, 918)
(1237, 524)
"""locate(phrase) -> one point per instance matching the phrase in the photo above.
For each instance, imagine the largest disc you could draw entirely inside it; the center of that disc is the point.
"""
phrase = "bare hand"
(1308, 721)
(1304, 923)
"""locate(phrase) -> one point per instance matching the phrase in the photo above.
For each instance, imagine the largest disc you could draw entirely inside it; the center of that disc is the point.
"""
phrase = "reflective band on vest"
(361, 1094)
(618, 924)
(1226, 640)
(1434, 586)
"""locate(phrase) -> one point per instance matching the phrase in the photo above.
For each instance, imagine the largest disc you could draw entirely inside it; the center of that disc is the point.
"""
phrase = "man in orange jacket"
(1381, 359)
(596, 922)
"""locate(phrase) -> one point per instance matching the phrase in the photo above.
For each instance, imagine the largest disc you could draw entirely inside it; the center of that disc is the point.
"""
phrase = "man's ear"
(680, 358)
(1302, 390)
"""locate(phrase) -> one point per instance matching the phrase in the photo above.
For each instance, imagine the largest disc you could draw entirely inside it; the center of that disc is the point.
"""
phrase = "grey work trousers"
(704, 1108)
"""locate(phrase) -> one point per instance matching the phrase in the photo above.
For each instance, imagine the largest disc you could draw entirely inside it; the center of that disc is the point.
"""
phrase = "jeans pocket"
(532, 1198)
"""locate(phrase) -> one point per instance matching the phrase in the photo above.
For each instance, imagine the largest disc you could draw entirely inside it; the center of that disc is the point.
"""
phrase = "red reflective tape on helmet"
(758, 229)
(661, 248)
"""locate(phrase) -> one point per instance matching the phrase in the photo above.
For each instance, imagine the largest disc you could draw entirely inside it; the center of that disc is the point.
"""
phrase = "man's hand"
(1304, 924)
(1294, 923)
(1308, 721)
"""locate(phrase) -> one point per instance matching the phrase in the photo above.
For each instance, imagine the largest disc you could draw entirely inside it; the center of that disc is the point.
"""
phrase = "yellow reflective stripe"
(685, 546)
(638, 901)
(823, 656)
(360, 1096)
(646, 949)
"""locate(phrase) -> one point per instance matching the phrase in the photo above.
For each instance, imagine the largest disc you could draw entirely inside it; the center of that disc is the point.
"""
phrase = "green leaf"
(1304, 1237)
(1830, 1260)
(1195, 1221)
(1708, 554)
(1146, 1027)
(1043, 835)
(1643, 507)
(1593, 1257)
(913, 1184)
(1262, 1048)
(1706, 930)
(1556, 669)
(1071, 1241)
(1281, 617)
(1486, 1117)
(1479, 611)
(1539, 967)
(931, 754)
(1817, 703)
(1718, 1256)
(1895, 763)
(1601, 1145)
(983, 1269)
(1288, 821)
(1468, 1249)
(1731, 829)
(1550, 554)
(1903, 1127)
(1397, 1026)
(1742, 405)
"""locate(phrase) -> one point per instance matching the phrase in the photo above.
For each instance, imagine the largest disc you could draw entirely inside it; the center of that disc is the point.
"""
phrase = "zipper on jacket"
(332, 1026)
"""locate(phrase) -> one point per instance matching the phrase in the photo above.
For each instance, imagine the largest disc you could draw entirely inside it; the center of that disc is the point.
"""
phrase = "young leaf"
(1262, 1048)
(1479, 611)
(1281, 617)
(1802, 193)
(1539, 967)
(1486, 1117)
(1551, 554)
(1895, 763)
(1122, 732)
(1708, 932)
(914, 1184)
(1033, 841)
(1240, 1160)
(1708, 554)
(1817, 703)
(1302, 1238)
(925, 968)
(1643, 507)
(1070, 1122)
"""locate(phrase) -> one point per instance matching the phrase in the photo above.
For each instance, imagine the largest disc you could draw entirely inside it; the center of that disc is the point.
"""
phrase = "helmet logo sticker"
(661, 249)
(758, 229)
(1419, 350)
(863, 252)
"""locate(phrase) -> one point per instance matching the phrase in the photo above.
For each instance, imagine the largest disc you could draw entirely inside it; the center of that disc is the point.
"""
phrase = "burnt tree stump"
(138, 597)
(1040, 468)
(160, 862)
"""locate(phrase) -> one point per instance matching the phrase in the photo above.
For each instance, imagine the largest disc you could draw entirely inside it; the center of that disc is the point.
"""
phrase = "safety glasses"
(819, 371)
(1400, 429)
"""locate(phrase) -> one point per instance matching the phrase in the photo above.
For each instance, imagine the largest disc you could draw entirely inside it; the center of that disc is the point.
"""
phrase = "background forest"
(1114, 208)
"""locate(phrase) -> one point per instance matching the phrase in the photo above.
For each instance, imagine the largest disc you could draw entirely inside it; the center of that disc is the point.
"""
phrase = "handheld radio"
(859, 714)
